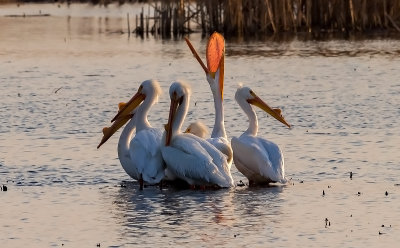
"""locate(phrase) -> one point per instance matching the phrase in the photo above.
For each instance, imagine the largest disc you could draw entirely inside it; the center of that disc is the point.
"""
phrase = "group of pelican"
(153, 155)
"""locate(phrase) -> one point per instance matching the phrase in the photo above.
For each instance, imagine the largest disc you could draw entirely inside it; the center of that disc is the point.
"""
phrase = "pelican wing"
(219, 155)
(275, 156)
(145, 152)
(196, 161)
(223, 146)
(258, 159)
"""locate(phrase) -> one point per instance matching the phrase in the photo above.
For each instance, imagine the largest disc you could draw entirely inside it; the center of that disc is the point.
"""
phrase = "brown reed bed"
(251, 18)
(254, 17)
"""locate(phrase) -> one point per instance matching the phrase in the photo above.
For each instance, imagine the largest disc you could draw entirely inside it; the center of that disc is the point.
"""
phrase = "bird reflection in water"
(169, 213)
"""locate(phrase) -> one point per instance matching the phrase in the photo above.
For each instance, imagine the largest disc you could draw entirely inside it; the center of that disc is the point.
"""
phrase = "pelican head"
(215, 55)
(251, 98)
(197, 128)
(177, 92)
(149, 88)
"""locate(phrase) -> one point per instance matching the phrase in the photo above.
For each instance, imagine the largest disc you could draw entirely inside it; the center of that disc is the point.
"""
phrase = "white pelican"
(187, 156)
(140, 156)
(260, 160)
(215, 55)
(198, 128)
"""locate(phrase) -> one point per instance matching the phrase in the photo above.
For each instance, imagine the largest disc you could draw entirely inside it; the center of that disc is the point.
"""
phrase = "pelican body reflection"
(160, 217)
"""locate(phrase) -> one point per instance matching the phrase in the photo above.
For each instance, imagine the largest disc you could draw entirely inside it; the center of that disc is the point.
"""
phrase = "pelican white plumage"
(215, 54)
(197, 128)
(187, 156)
(260, 160)
(140, 156)
(124, 140)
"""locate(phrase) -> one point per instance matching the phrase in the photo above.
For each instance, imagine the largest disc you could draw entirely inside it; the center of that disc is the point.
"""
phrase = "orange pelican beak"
(196, 55)
(109, 131)
(172, 112)
(276, 113)
(215, 54)
(131, 105)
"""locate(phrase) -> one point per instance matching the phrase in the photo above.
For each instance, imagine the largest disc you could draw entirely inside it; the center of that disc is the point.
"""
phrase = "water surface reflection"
(217, 216)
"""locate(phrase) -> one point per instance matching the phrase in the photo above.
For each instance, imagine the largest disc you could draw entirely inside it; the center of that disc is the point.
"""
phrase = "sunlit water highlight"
(62, 77)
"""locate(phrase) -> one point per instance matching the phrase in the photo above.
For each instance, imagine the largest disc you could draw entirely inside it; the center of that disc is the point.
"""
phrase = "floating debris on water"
(29, 15)
(240, 183)
(323, 192)
(351, 175)
(55, 92)
(4, 188)
(326, 222)
(386, 193)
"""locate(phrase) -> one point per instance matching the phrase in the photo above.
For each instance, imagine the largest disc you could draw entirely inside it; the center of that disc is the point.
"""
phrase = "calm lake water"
(62, 76)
